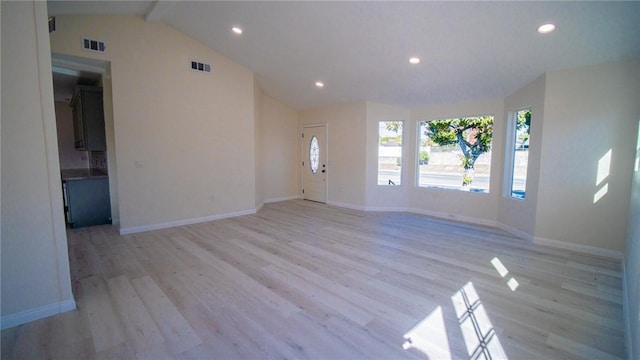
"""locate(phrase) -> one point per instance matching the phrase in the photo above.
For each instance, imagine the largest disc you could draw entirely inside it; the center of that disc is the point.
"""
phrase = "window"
(314, 154)
(520, 131)
(389, 152)
(455, 153)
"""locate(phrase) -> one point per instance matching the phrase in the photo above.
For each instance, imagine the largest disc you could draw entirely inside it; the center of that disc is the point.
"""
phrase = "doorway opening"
(84, 123)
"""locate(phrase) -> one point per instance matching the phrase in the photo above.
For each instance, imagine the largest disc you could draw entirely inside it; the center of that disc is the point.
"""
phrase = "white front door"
(314, 163)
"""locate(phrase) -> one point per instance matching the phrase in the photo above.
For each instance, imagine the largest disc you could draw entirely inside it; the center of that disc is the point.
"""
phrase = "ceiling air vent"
(198, 66)
(93, 45)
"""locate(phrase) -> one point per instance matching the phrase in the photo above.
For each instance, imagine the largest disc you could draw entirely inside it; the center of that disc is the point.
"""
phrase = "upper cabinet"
(88, 119)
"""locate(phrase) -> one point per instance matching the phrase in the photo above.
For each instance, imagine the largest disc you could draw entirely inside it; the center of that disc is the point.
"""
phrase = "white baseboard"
(387, 208)
(26, 316)
(516, 232)
(284, 198)
(67, 305)
(585, 249)
(447, 216)
(346, 205)
(435, 214)
(626, 313)
(170, 224)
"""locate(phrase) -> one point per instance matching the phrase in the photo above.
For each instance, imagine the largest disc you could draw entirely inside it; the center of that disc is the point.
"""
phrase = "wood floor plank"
(120, 352)
(322, 295)
(240, 279)
(142, 333)
(601, 292)
(217, 342)
(178, 334)
(300, 279)
(106, 330)
(578, 349)
(361, 338)
(175, 290)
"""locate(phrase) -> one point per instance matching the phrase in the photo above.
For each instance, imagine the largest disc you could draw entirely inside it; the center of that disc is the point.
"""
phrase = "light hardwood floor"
(305, 280)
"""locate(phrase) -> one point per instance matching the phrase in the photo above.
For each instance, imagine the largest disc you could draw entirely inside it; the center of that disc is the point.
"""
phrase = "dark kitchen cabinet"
(87, 201)
(88, 119)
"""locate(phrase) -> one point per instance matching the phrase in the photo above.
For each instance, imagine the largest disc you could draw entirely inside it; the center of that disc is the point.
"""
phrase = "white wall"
(346, 167)
(519, 215)
(70, 158)
(35, 264)
(184, 140)
(588, 111)
(632, 261)
(385, 196)
(280, 155)
(468, 206)
(258, 138)
(112, 167)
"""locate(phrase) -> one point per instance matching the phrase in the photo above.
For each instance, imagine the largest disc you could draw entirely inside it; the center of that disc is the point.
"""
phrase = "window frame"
(417, 164)
(402, 150)
(510, 154)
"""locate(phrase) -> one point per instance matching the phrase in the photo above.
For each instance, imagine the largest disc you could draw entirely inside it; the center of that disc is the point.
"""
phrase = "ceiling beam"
(157, 10)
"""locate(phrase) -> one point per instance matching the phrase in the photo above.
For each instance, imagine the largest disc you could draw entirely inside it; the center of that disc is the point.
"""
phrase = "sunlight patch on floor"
(503, 271)
(478, 332)
(500, 268)
(513, 284)
(429, 336)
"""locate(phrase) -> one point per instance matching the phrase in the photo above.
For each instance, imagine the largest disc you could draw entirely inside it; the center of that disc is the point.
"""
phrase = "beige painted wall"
(35, 264)
(184, 140)
(346, 167)
(70, 158)
(519, 215)
(112, 168)
(632, 261)
(588, 111)
(386, 196)
(455, 204)
(258, 138)
(279, 150)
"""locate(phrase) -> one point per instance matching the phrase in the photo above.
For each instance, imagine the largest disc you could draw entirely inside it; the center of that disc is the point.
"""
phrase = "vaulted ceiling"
(360, 50)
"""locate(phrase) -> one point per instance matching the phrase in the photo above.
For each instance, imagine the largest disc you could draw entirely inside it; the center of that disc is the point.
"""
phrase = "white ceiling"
(360, 50)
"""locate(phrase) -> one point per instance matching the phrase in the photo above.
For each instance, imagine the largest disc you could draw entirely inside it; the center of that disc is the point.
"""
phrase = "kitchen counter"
(79, 174)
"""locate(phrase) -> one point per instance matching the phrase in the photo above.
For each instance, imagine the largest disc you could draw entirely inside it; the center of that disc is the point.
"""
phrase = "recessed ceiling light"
(237, 30)
(319, 84)
(414, 60)
(546, 28)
